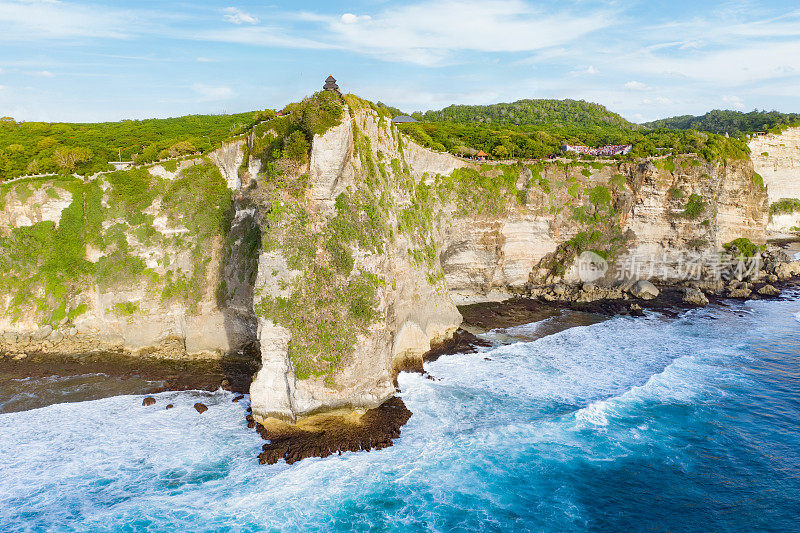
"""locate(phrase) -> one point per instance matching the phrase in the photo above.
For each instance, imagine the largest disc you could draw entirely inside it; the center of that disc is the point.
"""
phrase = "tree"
(500, 152)
(181, 148)
(297, 147)
(68, 158)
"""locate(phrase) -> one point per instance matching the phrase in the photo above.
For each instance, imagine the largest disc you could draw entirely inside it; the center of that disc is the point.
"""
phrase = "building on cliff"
(403, 119)
(611, 149)
(330, 85)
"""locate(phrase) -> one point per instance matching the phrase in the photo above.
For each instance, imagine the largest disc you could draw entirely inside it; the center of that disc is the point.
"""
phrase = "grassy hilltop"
(535, 129)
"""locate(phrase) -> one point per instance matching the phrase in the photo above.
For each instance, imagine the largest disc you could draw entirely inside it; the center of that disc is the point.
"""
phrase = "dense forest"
(536, 129)
(734, 123)
(561, 114)
(40, 147)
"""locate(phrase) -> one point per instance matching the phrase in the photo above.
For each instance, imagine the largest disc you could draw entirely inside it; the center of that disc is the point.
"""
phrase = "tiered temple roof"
(330, 85)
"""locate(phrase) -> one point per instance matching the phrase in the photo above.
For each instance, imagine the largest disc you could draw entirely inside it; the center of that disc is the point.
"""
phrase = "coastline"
(323, 434)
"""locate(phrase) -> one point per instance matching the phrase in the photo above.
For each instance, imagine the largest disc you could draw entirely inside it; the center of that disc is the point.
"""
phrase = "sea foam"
(581, 429)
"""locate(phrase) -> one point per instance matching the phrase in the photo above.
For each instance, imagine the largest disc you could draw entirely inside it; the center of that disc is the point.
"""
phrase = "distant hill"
(552, 113)
(533, 129)
(734, 123)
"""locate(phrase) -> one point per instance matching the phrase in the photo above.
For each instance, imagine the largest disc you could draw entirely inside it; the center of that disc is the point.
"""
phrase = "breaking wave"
(646, 423)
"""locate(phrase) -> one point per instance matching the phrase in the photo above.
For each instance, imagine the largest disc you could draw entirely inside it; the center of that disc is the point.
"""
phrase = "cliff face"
(356, 298)
(777, 159)
(129, 262)
(647, 209)
(337, 270)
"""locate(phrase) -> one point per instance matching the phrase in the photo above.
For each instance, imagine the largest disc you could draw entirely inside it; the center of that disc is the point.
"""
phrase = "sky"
(84, 61)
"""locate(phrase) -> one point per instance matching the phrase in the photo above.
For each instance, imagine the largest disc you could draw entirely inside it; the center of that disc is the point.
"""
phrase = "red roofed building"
(481, 156)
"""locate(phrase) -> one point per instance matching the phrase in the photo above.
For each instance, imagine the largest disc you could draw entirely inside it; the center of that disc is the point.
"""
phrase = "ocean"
(626, 424)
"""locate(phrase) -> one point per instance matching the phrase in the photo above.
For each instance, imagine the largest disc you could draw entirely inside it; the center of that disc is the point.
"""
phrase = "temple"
(330, 85)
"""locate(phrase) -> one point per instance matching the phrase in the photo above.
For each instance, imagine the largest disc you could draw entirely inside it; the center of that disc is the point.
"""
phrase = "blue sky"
(63, 60)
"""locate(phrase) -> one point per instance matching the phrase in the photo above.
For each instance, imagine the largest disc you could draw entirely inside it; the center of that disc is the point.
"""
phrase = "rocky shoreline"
(163, 374)
(324, 434)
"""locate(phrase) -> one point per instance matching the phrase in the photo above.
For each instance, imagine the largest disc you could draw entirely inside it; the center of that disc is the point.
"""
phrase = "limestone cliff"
(126, 262)
(339, 263)
(776, 157)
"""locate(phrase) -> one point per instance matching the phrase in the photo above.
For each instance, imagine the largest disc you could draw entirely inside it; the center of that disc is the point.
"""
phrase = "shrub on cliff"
(785, 206)
(694, 208)
(317, 113)
(743, 247)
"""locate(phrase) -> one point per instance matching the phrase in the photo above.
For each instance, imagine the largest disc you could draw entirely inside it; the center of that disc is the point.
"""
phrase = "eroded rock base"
(229, 373)
(325, 434)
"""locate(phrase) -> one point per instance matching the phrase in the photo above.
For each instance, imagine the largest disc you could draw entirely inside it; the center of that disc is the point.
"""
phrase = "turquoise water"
(689, 424)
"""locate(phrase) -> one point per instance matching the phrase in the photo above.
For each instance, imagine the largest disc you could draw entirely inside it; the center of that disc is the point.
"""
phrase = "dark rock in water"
(147, 402)
(170, 406)
(324, 435)
(694, 297)
(201, 408)
(739, 293)
(769, 290)
(635, 310)
(644, 289)
(238, 398)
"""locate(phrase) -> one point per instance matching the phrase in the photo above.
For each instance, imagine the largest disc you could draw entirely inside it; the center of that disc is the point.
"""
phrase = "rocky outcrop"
(694, 296)
(659, 212)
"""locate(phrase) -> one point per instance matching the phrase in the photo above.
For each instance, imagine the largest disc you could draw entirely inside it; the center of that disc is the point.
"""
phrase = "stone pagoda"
(330, 85)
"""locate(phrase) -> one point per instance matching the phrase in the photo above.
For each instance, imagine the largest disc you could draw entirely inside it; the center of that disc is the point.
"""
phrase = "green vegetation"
(40, 147)
(694, 207)
(282, 143)
(734, 123)
(675, 193)
(785, 206)
(560, 113)
(125, 308)
(758, 180)
(743, 247)
(537, 129)
(46, 264)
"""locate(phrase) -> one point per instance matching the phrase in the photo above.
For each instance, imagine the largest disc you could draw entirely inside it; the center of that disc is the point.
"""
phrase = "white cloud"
(735, 101)
(658, 100)
(636, 86)
(427, 33)
(748, 63)
(237, 16)
(208, 93)
(41, 73)
(35, 20)
(206, 60)
(349, 18)
(592, 70)
(261, 36)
